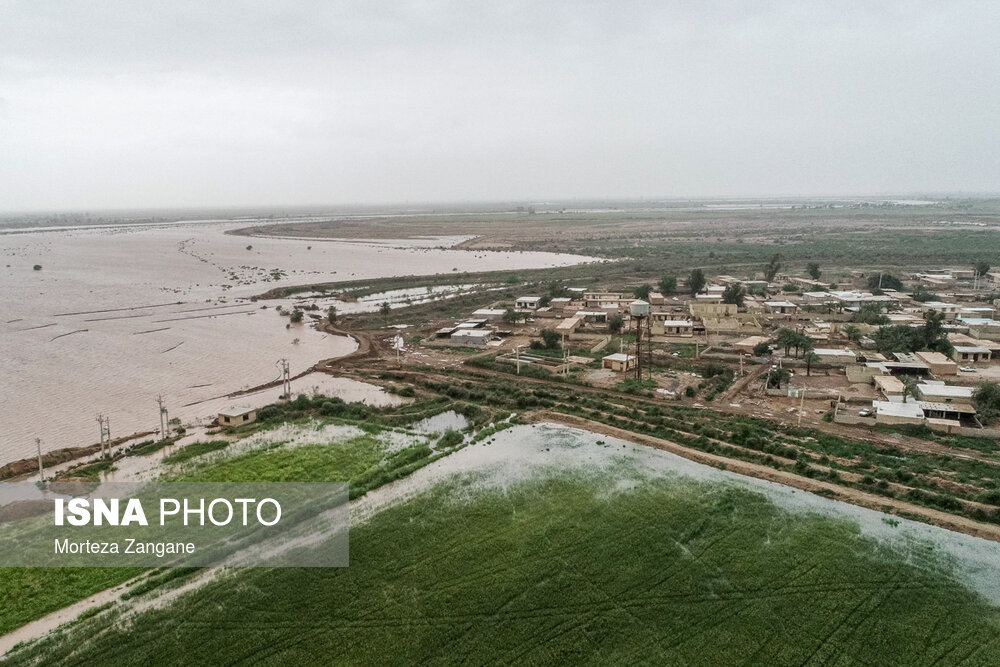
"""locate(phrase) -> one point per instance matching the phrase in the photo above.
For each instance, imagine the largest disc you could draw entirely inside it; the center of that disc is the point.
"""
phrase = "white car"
(865, 412)
(967, 369)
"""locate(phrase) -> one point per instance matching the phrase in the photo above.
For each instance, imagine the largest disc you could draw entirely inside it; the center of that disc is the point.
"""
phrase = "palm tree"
(909, 388)
(810, 359)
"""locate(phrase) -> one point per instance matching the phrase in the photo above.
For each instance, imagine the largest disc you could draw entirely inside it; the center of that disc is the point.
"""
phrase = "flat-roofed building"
(890, 387)
(970, 354)
(471, 337)
(527, 302)
(490, 314)
(781, 307)
(619, 362)
(835, 356)
(569, 325)
(939, 363)
(950, 310)
(892, 412)
(237, 416)
(944, 393)
(663, 324)
(712, 310)
(599, 299)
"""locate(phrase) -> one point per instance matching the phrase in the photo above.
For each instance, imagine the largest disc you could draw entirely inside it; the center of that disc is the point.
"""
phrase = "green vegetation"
(28, 593)
(189, 452)
(696, 281)
(881, 280)
(668, 285)
(772, 268)
(567, 569)
(735, 294)
(812, 268)
(987, 398)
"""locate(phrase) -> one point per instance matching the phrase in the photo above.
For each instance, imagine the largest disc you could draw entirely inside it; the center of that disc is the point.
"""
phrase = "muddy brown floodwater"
(119, 315)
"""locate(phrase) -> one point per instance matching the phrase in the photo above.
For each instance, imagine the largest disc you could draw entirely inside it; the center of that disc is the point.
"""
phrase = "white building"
(527, 302)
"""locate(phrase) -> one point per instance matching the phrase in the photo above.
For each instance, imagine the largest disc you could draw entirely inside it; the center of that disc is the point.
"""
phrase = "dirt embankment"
(828, 489)
(57, 456)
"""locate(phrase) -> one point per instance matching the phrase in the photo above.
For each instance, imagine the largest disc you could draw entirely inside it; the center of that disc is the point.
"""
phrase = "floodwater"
(118, 315)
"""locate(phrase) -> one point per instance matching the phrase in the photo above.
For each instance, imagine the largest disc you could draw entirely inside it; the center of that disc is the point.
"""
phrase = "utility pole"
(802, 402)
(41, 468)
(100, 425)
(107, 429)
(104, 423)
(164, 417)
(286, 382)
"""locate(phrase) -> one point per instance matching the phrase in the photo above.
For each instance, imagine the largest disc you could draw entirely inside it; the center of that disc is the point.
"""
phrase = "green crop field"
(574, 569)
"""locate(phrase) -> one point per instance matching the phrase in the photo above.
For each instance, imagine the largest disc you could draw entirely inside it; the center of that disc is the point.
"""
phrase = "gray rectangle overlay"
(174, 524)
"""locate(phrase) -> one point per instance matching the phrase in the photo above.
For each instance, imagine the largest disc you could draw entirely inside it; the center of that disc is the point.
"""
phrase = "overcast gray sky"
(128, 104)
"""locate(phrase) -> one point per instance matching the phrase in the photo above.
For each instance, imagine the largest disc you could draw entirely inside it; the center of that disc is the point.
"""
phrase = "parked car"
(865, 412)
(967, 369)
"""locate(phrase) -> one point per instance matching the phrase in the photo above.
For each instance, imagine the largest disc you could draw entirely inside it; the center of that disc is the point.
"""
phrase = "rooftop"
(890, 409)
(945, 390)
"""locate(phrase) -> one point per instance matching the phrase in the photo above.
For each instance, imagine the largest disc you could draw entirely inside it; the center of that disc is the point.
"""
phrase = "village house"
(893, 412)
(836, 357)
(489, 314)
(890, 387)
(939, 363)
(600, 299)
(237, 416)
(939, 392)
(781, 307)
(950, 310)
(527, 302)
(712, 310)
(619, 362)
(970, 354)
(471, 337)
(662, 324)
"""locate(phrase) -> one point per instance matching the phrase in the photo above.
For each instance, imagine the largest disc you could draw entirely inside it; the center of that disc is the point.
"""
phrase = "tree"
(550, 339)
(922, 294)
(762, 349)
(777, 377)
(880, 281)
(772, 268)
(615, 323)
(870, 313)
(544, 301)
(510, 316)
(696, 281)
(786, 339)
(668, 285)
(852, 332)
(642, 292)
(933, 328)
(898, 339)
(812, 268)
(734, 293)
(981, 268)
(331, 314)
(296, 316)
(909, 388)
(987, 398)
(810, 358)
(36, 267)
(803, 343)
(384, 310)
